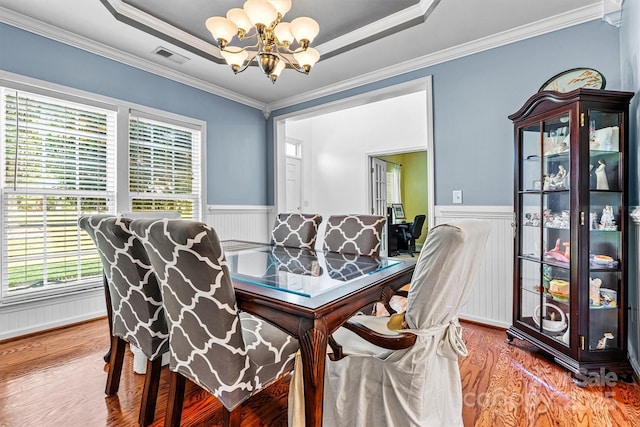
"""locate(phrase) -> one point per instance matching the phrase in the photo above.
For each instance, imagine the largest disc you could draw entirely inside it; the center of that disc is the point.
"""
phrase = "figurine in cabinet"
(602, 344)
(601, 176)
(560, 180)
(607, 221)
(594, 292)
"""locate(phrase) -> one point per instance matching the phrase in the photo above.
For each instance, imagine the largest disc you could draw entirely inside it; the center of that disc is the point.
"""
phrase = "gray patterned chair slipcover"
(354, 234)
(231, 354)
(295, 230)
(138, 315)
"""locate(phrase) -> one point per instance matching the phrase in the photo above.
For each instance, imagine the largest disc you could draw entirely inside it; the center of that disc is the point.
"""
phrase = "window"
(57, 163)
(162, 166)
(394, 193)
(293, 148)
(58, 158)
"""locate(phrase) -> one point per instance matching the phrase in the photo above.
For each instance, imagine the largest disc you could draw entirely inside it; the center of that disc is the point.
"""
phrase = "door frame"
(424, 84)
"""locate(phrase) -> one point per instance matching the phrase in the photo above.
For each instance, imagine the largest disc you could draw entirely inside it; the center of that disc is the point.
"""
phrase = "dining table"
(310, 294)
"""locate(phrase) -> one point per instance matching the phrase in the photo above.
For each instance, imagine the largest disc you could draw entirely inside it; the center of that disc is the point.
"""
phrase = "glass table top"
(299, 271)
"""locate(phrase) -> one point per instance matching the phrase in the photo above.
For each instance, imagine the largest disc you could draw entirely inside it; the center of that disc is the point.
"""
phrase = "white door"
(293, 186)
(378, 187)
(379, 194)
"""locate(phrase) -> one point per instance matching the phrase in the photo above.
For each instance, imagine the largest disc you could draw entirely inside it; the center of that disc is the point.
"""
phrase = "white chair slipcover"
(418, 386)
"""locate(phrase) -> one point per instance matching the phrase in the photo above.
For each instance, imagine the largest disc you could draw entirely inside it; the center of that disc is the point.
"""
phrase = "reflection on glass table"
(299, 271)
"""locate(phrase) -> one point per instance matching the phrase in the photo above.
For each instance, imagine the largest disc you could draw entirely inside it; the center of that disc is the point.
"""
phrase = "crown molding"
(46, 30)
(558, 22)
(554, 23)
(612, 12)
(396, 22)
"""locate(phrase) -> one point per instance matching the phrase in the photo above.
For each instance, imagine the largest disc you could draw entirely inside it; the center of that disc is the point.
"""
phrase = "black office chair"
(408, 233)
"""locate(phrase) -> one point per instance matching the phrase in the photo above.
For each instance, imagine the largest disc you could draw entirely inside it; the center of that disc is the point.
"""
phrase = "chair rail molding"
(491, 299)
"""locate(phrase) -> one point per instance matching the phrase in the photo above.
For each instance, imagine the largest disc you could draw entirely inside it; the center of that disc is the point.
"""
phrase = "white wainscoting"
(491, 300)
(33, 316)
(252, 223)
(231, 222)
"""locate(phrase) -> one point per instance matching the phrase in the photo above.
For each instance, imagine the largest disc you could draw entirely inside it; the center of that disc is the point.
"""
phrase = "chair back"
(416, 227)
(138, 314)
(445, 271)
(354, 234)
(206, 343)
(295, 230)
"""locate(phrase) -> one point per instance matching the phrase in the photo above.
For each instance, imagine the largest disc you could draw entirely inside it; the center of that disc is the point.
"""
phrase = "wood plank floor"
(58, 378)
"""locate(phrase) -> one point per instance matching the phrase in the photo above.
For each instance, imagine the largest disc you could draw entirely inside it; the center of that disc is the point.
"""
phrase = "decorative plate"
(551, 325)
(575, 78)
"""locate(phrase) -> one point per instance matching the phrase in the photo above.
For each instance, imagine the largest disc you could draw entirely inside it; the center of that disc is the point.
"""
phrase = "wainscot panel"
(33, 316)
(491, 300)
(252, 223)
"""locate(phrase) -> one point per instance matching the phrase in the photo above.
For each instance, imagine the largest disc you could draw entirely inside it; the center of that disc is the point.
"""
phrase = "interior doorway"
(405, 188)
(337, 142)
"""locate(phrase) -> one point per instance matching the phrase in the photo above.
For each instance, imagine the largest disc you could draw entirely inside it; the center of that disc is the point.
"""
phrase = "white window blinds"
(164, 168)
(57, 164)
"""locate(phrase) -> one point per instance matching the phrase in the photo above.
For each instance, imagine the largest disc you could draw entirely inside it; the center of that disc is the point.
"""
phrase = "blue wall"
(472, 97)
(236, 152)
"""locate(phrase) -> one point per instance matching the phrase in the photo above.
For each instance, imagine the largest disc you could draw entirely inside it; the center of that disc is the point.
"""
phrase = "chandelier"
(278, 44)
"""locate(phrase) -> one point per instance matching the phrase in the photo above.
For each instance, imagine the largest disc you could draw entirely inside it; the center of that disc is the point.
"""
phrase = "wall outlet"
(457, 196)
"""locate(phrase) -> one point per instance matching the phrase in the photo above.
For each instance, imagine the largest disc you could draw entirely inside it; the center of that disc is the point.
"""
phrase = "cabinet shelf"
(562, 197)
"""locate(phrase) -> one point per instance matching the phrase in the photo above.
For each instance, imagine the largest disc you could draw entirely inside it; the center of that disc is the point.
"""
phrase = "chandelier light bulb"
(260, 12)
(282, 6)
(304, 30)
(307, 58)
(276, 72)
(283, 33)
(239, 17)
(235, 57)
(222, 29)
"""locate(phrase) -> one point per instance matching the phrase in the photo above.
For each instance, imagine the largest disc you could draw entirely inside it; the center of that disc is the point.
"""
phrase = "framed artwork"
(574, 79)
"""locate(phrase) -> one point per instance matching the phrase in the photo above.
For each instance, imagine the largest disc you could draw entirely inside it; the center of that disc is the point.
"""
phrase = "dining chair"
(137, 313)
(403, 369)
(231, 354)
(295, 230)
(354, 234)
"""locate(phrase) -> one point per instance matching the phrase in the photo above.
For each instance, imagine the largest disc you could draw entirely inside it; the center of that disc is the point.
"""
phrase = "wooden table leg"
(313, 348)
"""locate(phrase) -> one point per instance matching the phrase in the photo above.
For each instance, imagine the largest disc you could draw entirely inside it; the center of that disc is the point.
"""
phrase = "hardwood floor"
(58, 379)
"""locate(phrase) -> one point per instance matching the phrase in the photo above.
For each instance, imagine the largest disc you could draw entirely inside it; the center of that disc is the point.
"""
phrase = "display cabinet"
(570, 269)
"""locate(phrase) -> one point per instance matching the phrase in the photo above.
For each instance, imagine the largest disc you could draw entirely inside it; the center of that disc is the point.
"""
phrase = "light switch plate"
(457, 196)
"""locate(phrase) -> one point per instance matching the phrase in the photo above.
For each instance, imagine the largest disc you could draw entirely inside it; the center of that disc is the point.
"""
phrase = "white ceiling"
(376, 44)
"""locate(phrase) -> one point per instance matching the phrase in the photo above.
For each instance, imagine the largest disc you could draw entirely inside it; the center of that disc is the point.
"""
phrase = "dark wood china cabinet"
(570, 271)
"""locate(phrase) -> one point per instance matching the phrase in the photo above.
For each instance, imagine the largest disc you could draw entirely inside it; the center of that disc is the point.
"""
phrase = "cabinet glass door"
(605, 233)
(530, 214)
